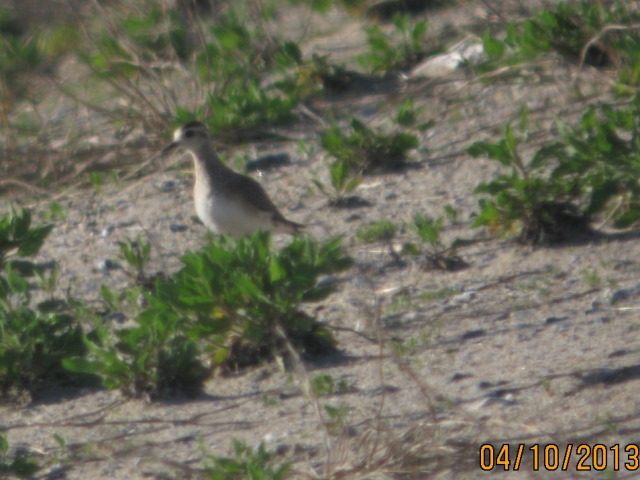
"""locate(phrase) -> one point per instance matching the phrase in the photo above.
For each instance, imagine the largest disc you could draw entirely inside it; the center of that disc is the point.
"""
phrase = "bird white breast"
(227, 216)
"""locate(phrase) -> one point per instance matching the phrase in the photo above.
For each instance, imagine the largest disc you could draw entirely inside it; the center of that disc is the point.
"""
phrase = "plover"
(227, 202)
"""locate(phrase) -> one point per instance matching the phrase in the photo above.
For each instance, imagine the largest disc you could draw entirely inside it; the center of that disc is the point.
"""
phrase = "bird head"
(189, 136)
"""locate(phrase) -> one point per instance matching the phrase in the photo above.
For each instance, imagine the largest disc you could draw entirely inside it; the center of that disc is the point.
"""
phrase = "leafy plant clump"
(136, 254)
(383, 231)
(401, 49)
(380, 231)
(33, 339)
(19, 465)
(343, 184)
(243, 297)
(591, 170)
(437, 256)
(578, 30)
(363, 149)
(246, 464)
(232, 304)
(235, 60)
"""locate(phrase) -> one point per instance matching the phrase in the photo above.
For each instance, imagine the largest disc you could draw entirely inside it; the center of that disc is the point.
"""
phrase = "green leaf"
(492, 47)
(494, 151)
(321, 6)
(401, 21)
(406, 113)
(290, 55)
(338, 172)
(352, 184)
(23, 268)
(20, 223)
(320, 186)
(80, 365)
(488, 214)
(317, 294)
(221, 355)
(277, 270)
(627, 219)
(17, 284)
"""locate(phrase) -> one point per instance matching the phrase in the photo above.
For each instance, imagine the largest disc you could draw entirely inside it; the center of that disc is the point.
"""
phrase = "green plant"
(429, 229)
(588, 171)
(437, 255)
(405, 348)
(383, 231)
(578, 30)
(96, 179)
(254, 292)
(312, 75)
(337, 417)
(137, 47)
(54, 212)
(128, 53)
(380, 231)
(592, 278)
(443, 293)
(232, 304)
(18, 237)
(152, 358)
(136, 254)
(342, 183)
(386, 53)
(20, 465)
(246, 464)
(19, 55)
(235, 60)
(363, 149)
(126, 302)
(33, 341)
(325, 385)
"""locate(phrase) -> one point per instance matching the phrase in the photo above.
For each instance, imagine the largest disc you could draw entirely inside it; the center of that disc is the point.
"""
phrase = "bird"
(226, 201)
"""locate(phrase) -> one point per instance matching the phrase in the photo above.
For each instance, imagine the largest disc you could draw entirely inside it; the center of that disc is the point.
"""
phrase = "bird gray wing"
(254, 194)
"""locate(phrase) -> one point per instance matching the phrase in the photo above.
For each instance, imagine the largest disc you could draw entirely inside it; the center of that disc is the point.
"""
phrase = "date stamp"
(551, 457)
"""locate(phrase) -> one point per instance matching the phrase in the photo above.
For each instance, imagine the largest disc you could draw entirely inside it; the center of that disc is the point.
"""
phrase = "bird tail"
(283, 225)
(295, 227)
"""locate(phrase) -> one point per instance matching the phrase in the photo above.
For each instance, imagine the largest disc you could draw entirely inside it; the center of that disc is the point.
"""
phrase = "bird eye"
(188, 134)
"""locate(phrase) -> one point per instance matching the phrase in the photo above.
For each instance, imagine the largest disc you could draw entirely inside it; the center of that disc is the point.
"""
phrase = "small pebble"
(473, 334)
(595, 307)
(464, 297)
(552, 320)
(268, 162)
(456, 377)
(622, 294)
(361, 282)
(297, 206)
(409, 317)
(117, 317)
(122, 205)
(108, 265)
(107, 231)
(177, 228)
(167, 186)
(327, 281)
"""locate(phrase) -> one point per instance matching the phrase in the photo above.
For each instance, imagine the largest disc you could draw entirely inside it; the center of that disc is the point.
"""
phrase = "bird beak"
(169, 147)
